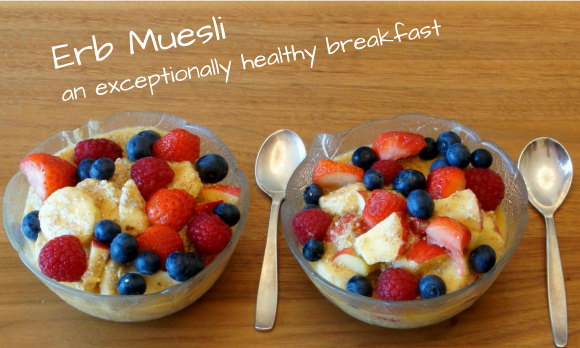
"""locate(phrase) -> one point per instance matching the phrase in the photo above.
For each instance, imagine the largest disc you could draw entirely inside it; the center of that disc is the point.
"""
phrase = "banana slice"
(187, 243)
(186, 178)
(106, 196)
(132, 215)
(40, 241)
(97, 259)
(111, 274)
(122, 172)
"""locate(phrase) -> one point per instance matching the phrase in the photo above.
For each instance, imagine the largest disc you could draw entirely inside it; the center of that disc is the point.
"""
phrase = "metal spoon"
(547, 171)
(279, 156)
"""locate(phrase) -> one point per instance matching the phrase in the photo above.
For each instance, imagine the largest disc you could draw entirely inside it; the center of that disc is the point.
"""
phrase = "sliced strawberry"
(328, 173)
(451, 235)
(47, 173)
(397, 145)
(206, 207)
(418, 226)
(225, 193)
(380, 205)
(443, 182)
(421, 252)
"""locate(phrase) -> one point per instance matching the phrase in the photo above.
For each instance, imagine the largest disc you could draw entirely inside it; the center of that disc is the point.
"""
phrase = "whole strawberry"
(380, 205)
(162, 240)
(97, 148)
(311, 223)
(170, 207)
(389, 169)
(176, 146)
(151, 174)
(209, 234)
(487, 185)
(396, 284)
(47, 173)
(63, 259)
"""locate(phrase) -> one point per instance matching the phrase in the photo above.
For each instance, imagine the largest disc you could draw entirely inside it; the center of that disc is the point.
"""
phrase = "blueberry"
(84, 169)
(212, 168)
(106, 230)
(102, 169)
(482, 258)
(432, 286)
(420, 204)
(458, 155)
(364, 157)
(446, 139)
(481, 158)
(150, 135)
(124, 248)
(430, 151)
(148, 263)
(373, 179)
(439, 163)
(183, 266)
(138, 147)
(409, 180)
(229, 213)
(131, 284)
(310, 206)
(313, 250)
(360, 285)
(31, 225)
(312, 194)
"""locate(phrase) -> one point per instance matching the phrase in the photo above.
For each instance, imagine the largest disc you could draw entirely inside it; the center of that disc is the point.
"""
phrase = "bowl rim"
(234, 171)
(432, 302)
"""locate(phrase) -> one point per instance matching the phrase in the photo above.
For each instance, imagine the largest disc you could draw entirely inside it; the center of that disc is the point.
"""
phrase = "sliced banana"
(106, 196)
(97, 259)
(186, 178)
(187, 243)
(122, 172)
(132, 215)
(111, 274)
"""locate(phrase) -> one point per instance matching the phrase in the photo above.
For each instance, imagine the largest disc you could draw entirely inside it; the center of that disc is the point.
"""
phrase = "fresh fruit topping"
(212, 168)
(432, 286)
(47, 173)
(389, 169)
(360, 285)
(151, 174)
(225, 193)
(409, 180)
(345, 230)
(96, 149)
(106, 230)
(348, 258)
(444, 182)
(373, 179)
(63, 259)
(396, 284)
(430, 151)
(312, 194)
(139, 147)
(421, 252)
(131, 284)
(385, 242)
(162, 240)
(229, 213)
(418, 226)
(313, 250)
(487, 185)
(206, 207)
(183, 266)
(148, 262)
(364, 157)
(209, 234)
(439, 163)
(482, 259)
(461, 206)
(207, 259)
(124, 248)
(451, 235)
(481, 158)
(152, 136)
(84, 169)
(98, 255)
(31, 225)
(458, 155)
(445, 140)
(311, 223)
(420, 204)
(170, 207)
(397, 145)
(328, 173)
(102, 169)
(380, 205)
(347, 199)
(310, 206)
(176, 146)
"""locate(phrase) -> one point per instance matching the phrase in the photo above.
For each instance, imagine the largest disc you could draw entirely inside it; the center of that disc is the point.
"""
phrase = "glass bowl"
(136, 307)
(406, 314)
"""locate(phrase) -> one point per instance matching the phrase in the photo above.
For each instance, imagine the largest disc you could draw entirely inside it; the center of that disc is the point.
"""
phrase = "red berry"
(209, 234)
(396, 284)
(418, 226)
(162, 240)
(443, 182)
(176, 146)
(380, 205)
(171, 208)
(47, 173)
(97, 148)
(151, 174)
(206, 207)
(207, 259)
(63, 259)
(311, 223)
(487, 185)
(397, 145)
(389, 169)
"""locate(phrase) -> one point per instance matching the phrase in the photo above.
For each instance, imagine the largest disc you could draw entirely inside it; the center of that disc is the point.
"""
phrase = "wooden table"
(511, 71)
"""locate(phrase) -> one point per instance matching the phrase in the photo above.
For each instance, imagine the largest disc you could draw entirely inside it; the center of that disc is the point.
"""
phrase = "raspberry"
(63, 259)
(162, 240)
(171, 208)
(389, 169)
(209, 234)
(176, 146)
(487, 185)
(311, 223)
(151, 174)
(97, 148)
(396, 284)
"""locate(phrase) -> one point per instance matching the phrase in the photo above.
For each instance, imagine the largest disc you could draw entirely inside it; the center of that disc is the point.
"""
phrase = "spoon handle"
(268, 289)
(556, 289)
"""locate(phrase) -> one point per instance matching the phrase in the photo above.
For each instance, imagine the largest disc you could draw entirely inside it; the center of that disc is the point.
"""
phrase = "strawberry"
(176, 146)
(170, 207)
(206, 207)
(397, 145)
(345, 230)
(418, 226)
(487, 185)
(396, 284)
(389, 169)
(63, 259)
(207, 259)
(209, 234)
(311, 223)
(380, 205)
(151, 174)
(421, 252)
(451, 235)
(47, 173)
(162, 240)
(443, 182)
(97, 148)
(328, 173)
(225, 193)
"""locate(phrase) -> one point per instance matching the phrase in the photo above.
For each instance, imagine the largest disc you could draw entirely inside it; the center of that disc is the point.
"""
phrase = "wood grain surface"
(511, 71)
